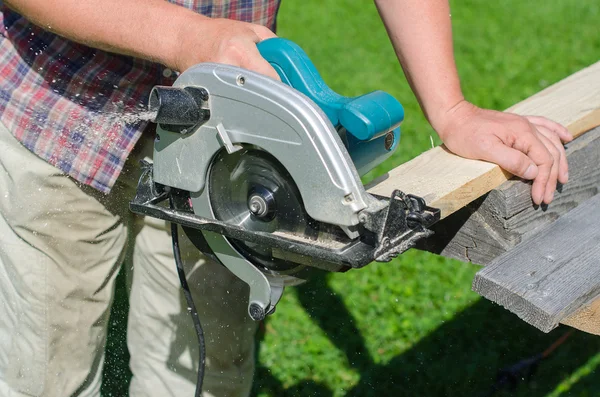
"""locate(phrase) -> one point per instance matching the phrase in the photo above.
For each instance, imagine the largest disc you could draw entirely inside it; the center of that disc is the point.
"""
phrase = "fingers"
(257, 63)
(262, 32)
(253, 59)
(241, 51)
(558, 129)
(529, 147)
(544, 174)
(529, 143)
(563, 166)
(551, 134)
(514, 161)
(545, 149)
(550, 187)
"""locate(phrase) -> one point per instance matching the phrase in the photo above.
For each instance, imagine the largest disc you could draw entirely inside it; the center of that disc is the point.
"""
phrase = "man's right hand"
(155, 30)
(223, 41)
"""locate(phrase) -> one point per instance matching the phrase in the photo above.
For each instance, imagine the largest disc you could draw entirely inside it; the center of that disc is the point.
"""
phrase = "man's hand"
(155, 30)
(529, 147)
(223, 41)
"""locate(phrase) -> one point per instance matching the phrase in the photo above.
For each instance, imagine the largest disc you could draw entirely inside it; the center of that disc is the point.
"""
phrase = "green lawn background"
(413, 327)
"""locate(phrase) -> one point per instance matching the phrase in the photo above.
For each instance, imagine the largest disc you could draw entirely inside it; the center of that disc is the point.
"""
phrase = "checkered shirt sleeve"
(69, 103)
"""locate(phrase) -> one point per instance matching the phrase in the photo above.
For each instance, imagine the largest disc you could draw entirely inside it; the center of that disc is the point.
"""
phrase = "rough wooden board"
(549, 277)
(495, 223)
(573, 102)
(469, 235)
(450, 182)
(444, 180)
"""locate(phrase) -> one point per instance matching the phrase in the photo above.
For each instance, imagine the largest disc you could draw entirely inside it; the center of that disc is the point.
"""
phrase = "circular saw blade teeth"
(251, 189)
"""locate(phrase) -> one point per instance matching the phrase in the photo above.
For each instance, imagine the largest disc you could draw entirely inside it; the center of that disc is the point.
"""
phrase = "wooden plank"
(549, 277)
(449, 182)
(495, 223)
(586, 319)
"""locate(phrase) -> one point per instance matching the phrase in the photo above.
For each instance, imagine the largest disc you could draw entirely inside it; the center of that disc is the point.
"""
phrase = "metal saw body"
(264, 176)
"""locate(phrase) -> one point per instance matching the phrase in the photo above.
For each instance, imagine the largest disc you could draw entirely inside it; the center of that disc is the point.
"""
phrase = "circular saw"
(264, 176)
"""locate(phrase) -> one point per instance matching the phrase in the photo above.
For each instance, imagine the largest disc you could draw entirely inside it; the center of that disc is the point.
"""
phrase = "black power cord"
(190, 304)
(510, 377)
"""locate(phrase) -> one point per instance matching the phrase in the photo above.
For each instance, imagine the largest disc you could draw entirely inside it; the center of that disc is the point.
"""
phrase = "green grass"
(413, 327)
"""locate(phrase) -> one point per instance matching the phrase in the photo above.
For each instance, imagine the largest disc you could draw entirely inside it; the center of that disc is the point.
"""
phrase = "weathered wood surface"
(499, 221)
(555, 279)
(450, 182)
(551, 276)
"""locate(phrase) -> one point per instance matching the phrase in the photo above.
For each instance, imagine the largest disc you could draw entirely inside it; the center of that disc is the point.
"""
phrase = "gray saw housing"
(213, 108)
(247, 108)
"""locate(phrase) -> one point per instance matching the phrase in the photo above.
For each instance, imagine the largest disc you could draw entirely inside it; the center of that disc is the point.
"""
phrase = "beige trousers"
(61, 246)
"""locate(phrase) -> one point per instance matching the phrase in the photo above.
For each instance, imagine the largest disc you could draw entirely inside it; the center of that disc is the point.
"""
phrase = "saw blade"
(249, 188)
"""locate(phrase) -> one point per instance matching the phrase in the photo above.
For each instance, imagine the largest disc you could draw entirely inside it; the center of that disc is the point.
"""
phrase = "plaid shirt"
(73, 105)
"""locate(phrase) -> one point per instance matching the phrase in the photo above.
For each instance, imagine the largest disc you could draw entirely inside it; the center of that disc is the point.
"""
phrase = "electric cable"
(190, 304)
(510, 376)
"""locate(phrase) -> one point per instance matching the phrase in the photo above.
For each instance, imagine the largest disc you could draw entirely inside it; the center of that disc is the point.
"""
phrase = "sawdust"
(325, 243)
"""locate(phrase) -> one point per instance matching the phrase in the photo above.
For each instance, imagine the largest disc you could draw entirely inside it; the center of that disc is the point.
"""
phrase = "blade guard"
(371, 121)
(251, 109)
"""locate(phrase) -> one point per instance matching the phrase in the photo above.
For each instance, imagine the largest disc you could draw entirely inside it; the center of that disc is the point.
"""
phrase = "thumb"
(257, 63)
(262, 32)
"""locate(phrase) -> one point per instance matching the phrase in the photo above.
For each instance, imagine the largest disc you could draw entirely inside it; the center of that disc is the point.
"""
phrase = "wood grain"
(549, 277)
(586, 318)
(444, 180)
(495, 223)
(450, 182)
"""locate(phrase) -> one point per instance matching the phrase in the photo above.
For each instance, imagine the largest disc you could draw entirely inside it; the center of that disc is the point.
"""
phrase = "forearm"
(421, 33)
(529, 147)
(148, 29)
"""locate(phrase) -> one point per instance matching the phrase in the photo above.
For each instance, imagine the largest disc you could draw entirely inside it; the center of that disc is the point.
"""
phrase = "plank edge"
(511, 301)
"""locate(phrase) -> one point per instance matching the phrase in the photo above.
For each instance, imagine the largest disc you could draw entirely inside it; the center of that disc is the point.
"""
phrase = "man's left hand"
(530, 147)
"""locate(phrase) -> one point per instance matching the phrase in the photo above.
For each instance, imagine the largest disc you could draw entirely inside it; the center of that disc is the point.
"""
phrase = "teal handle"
(365, 117)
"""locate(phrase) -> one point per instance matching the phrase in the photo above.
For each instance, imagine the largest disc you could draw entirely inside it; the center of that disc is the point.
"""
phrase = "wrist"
(439, 115)
(444, 121)
(182, 47)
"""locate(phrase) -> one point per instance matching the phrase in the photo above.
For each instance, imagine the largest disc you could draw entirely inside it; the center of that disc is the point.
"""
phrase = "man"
(72, 72)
